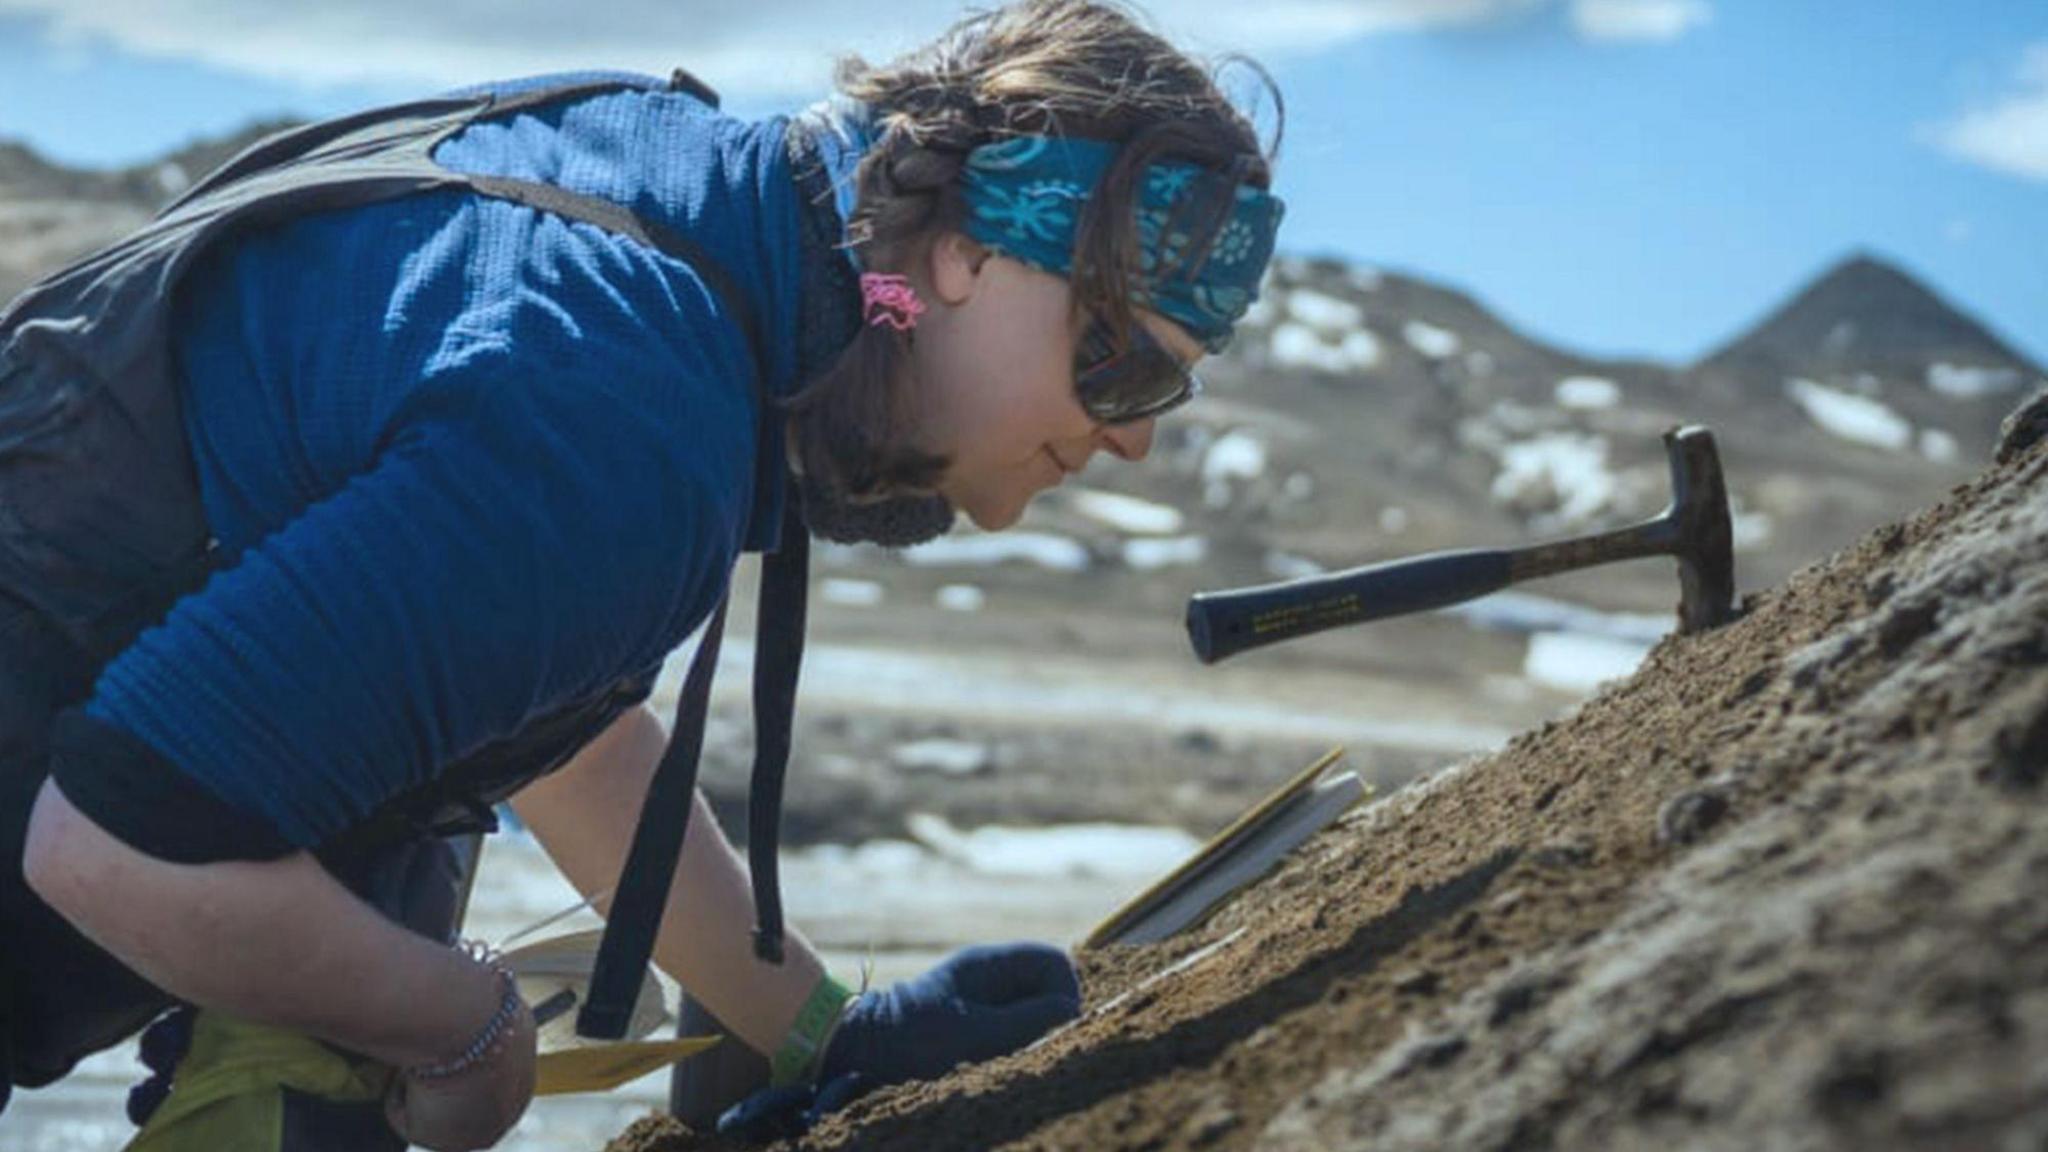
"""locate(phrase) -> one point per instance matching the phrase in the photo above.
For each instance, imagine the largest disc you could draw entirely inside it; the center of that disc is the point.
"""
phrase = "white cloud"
(766, 48)
(2011, 135)
(1659, 21)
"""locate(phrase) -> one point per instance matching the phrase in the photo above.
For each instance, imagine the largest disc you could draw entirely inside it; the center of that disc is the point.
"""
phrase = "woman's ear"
(956, 265)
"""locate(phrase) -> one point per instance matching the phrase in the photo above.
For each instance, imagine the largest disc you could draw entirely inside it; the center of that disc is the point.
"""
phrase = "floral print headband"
(1204, 236)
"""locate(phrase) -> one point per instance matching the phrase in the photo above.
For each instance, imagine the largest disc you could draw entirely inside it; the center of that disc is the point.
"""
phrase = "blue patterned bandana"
(1204, 238)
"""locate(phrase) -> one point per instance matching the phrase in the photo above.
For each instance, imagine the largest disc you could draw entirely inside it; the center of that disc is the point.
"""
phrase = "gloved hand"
(782, 1113)
(977, 1004)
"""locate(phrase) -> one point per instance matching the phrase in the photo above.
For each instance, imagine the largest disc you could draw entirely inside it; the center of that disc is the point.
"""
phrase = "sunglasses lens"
(1141, 381)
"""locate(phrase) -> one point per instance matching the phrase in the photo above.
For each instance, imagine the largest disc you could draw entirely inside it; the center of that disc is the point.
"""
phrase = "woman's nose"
(1129, 441)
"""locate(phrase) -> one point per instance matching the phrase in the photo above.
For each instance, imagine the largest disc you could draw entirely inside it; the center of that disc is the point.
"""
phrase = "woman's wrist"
(485, 1044)
(803, 1048)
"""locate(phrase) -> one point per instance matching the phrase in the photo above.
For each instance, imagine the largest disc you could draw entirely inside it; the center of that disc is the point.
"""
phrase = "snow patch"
(1572, 662)
(1587, 393)
(1571, 648)
(1566, 469)
(1857, 419)
(946, 757)
(171, 178)
(1367, 278)
(1430, 340)
(1527, 614)
(961, 598)
(1128, 513)
(1298, 346)
(1287, 566)
(1324, 312)
(1362, 350)
(1966, 382)
(1939, 446)
(1057, 553)
(1235, 456)
(1747, 531)
(1151, 555)
(850, 593)
(1109, 851)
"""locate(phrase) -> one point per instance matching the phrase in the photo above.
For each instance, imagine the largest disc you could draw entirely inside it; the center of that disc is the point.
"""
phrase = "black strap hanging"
(635, 915)
(778, 658)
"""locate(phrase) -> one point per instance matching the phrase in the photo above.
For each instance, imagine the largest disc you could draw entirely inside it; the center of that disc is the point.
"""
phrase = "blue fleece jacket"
(470, 461)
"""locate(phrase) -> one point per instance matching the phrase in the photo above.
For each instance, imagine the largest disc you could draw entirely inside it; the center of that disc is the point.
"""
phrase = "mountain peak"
(1865, 314)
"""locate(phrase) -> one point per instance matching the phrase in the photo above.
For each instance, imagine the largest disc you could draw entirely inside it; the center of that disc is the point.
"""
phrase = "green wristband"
(801, 1050)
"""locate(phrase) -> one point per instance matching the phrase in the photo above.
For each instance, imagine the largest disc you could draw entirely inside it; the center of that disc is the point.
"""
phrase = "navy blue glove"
(782, 1113)
(979, 1003)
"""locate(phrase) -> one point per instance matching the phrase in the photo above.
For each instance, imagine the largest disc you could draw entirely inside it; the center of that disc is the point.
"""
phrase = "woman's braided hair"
(1077, 68)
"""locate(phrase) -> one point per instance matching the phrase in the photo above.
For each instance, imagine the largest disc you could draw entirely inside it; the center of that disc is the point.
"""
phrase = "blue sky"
(1618, 176)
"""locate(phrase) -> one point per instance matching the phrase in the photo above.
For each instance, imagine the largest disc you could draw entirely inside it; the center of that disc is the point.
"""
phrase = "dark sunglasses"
(1123, 385)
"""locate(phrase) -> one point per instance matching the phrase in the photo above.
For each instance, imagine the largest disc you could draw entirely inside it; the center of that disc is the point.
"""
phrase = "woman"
(450, 467)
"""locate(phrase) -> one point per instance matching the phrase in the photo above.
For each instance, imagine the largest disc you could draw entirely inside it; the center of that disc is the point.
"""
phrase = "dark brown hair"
(1061, 67)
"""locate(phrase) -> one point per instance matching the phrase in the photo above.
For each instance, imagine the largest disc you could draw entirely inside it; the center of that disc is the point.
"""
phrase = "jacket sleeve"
(535, 527)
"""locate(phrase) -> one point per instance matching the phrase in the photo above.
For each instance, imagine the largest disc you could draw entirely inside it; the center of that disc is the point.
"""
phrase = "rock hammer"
(1694, 530)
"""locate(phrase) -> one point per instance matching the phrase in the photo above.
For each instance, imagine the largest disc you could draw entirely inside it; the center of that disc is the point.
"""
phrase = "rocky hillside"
(1782, 889)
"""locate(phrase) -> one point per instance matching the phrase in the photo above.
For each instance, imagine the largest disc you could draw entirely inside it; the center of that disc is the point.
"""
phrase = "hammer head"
(1705, 546)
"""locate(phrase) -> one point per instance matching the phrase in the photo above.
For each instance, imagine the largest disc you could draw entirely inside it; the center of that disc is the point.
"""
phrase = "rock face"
(1782, 889)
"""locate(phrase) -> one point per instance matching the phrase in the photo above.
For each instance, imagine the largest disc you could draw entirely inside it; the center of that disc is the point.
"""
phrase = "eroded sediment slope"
(1787, 887)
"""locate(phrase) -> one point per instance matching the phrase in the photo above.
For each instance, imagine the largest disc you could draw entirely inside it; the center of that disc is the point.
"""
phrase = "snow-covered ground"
(961, 598)
(1128, 513)
(1968, 382)
(1858, 419)
(1430, 340)
(1299, 346)
(1072, 691)
(1058, 553)
(1587, 393)
(1323, 312)
(850, 593)
(1572, 466)
(1571, 648)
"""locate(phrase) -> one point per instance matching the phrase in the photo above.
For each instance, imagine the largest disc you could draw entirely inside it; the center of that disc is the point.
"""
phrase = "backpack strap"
(778, 658)
(634, 918)
(610, 216)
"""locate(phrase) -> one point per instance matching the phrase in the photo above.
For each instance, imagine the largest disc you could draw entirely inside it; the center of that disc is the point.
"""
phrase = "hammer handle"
(1223, 624)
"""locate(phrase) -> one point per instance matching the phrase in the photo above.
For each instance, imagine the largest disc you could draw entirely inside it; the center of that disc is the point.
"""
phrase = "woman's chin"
(993, 512)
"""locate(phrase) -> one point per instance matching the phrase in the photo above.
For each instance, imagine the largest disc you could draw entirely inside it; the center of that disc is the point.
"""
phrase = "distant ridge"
(1864, 315)
(25, 174)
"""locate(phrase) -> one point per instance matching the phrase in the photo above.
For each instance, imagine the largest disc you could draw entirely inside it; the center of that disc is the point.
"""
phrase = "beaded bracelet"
(490, 1041)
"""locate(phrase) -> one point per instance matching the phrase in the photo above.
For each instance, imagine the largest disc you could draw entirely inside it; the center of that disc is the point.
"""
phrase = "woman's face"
(993, 361)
